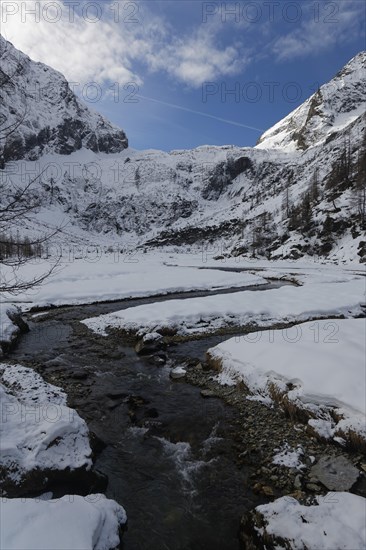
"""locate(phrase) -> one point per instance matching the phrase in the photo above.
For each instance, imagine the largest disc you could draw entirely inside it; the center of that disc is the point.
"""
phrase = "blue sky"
(163, 70)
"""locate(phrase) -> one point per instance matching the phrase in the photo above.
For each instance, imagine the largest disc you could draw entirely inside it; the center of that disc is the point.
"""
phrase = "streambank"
(180, 460)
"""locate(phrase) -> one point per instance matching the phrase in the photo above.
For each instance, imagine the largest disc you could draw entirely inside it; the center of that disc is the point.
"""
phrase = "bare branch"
(18, 286)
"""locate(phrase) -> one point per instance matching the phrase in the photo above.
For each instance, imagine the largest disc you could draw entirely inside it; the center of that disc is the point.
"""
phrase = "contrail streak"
(200, 113)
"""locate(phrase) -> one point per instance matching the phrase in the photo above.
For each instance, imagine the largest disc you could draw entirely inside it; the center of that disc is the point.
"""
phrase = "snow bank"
(317, 364)
(93, 279)
(309, 266)
(196, 315)
(8, 329)
(336, 521)
(69, 523)
(37, 429)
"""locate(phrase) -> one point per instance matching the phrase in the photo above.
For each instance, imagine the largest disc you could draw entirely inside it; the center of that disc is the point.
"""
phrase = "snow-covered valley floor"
(324, 291)
(318, 365)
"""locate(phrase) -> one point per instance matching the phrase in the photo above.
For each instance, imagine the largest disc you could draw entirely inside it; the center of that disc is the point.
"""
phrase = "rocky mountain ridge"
(39, 113)
(334, 106)
(300, 192)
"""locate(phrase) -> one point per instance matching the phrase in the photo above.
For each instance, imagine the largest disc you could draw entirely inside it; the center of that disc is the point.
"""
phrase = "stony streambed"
(186, 458)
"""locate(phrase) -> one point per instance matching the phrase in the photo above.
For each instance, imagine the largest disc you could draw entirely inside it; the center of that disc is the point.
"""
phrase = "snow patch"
(69, 523)
(37, 429)
(288, 457)
(337, 520)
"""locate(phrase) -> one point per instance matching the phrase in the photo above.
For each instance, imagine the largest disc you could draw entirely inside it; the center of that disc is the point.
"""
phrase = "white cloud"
(110, 51)
(199, 58)
(81, 50)
(320, 33)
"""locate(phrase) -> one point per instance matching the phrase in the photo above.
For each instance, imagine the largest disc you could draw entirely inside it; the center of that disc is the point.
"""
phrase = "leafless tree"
(17, 203)
(360, 184)
(286, 198)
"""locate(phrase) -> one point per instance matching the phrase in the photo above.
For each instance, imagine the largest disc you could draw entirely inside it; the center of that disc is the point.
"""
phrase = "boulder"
(177, 373)
(335, 473)
(150, 343)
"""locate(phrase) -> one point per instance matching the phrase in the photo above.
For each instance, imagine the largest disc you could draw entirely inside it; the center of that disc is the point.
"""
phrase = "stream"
(167, 450)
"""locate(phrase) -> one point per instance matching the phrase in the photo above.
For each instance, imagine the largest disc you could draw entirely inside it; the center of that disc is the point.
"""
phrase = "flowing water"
(168, 451)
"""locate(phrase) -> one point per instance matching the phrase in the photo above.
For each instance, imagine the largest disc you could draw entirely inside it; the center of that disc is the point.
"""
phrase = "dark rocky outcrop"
(39, 113)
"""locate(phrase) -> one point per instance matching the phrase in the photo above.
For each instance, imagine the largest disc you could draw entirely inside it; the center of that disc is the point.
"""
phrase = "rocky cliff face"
(40, 114)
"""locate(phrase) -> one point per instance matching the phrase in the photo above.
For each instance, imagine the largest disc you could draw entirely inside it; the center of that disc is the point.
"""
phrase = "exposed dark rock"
(235, 167)
(81, 481)
(149, 346)
(167, 331)
(96, 443)
(15, 315)
(208, 393)
(217, 183)
(262, 489)
(250, 526)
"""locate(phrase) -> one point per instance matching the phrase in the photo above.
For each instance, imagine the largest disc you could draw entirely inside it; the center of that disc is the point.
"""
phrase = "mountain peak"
(335, 105)
(39, 113)
(357, 62)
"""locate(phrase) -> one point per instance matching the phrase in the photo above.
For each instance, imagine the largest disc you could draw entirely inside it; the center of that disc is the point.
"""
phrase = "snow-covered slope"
(39, 112)
(333, 107)
(277, 200)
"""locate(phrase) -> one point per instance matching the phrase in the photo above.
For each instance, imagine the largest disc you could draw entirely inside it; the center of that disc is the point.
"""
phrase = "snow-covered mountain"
(300, 192)
(39, 113)
(333, 107)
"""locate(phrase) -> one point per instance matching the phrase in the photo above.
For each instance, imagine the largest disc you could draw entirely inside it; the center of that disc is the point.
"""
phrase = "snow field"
(200, 315)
